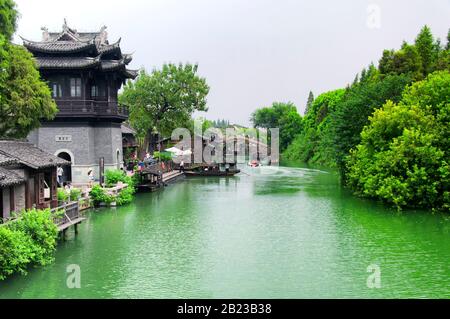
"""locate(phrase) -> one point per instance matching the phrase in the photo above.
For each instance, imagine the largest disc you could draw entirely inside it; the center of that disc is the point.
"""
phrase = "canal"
(275, 233)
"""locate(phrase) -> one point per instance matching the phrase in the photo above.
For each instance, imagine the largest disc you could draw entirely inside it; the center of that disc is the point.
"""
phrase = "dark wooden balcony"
(90, 108)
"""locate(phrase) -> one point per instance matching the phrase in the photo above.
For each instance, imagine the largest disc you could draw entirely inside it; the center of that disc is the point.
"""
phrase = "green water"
(280, 233)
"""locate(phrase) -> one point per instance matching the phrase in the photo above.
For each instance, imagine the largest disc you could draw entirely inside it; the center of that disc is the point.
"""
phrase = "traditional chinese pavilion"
(85, 72)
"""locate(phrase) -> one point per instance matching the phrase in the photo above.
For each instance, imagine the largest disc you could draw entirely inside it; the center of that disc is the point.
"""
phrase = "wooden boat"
(211, 173)
(221, 170)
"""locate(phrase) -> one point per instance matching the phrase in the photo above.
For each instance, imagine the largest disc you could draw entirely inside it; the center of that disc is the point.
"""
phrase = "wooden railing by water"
(67, 215)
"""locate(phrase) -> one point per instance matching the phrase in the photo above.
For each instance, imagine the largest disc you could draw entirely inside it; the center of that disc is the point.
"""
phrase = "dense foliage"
(98, 196)
(404, 155)
(164, 100)
(75, 194)
(314, 144)
(398, 152)
(62, 195)
(112, 178)
(163, 156)
(8, 14)
(359, 102)
(283, 116)
(24, 98)
(31, 240)
(221, 124)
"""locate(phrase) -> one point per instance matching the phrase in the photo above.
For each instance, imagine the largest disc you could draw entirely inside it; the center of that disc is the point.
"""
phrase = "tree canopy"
(283, 116)
(314, 143)
(164, 99)
(309, 102)
(387, 132)
(24, 98)
(8, 18)
(403, 157)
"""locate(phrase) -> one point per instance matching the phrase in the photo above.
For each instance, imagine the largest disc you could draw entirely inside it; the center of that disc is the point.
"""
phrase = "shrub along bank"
(101, 195)
(28, 241)
(404, 154)
(388, 131)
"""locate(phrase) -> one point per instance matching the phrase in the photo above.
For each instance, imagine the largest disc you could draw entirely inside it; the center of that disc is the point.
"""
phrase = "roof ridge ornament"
(65, 26)
(45, 34)
(103, 35)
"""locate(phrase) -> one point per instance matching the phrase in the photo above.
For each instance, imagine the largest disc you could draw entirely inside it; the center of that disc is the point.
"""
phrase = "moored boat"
(213, 170)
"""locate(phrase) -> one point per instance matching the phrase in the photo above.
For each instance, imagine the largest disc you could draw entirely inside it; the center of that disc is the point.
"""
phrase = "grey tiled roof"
(110, 65)
(85, 63)
(29, 155)
(60, 46)
(67, 62)
(109, 48)
(132, 74)
(6, 160)
(71, 49)
(126, 129)
(9, 178)
(83, 36)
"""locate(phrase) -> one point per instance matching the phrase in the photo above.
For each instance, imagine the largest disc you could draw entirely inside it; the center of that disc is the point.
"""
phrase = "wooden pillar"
(39, 190)
(54, 189)
(12, 199)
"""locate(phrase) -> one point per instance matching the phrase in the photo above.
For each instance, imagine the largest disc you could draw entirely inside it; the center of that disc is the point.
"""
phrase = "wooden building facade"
(27, 178)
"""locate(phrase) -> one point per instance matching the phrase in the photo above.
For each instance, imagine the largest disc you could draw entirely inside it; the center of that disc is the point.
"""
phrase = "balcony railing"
(88, 108)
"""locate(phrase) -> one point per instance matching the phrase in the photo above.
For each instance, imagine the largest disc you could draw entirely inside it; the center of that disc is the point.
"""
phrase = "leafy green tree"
(206, 124)
(29, 241)
(164, 100)
(443, 62)
(309, 102)
(283, 116)
(24, 98)
(358, 104)
(8, 18)
(403, 157)
(427, 50)
(315, 142)
(404, 61)
(447, 47)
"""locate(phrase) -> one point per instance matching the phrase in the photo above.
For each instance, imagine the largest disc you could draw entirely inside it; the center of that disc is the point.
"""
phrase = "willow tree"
(164, 100)
(24, 98)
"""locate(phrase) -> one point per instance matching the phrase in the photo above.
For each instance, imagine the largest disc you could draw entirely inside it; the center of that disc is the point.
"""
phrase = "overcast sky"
(252, 52)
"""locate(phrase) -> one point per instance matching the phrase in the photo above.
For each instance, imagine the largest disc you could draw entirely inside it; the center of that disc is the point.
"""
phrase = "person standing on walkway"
(182, 166)
(60, 173)
(91, 177)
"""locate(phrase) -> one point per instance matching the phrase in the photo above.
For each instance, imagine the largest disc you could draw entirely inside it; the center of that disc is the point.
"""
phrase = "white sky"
(252, 52)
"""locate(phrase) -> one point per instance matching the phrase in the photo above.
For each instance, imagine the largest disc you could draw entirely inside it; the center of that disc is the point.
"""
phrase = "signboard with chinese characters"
(63, 138)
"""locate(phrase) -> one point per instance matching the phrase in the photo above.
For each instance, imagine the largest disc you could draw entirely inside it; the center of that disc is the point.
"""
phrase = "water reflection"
(267, 233)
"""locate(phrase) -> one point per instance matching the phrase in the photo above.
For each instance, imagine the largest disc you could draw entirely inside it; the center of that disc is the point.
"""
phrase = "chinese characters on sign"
(63, 138)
